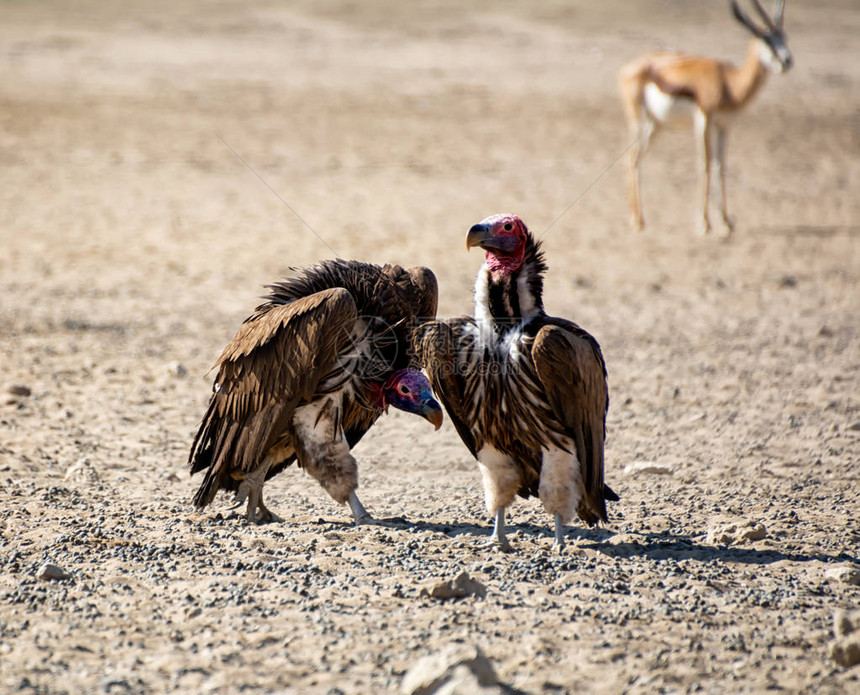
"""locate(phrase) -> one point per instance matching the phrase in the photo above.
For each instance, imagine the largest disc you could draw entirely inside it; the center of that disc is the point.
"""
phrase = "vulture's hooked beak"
(478, 235)
(432, 412)
(482, 235)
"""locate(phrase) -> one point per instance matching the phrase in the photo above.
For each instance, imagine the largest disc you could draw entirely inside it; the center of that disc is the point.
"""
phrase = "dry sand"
(134, 239)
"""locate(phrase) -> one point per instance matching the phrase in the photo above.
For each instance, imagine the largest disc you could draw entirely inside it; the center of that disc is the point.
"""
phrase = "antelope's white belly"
(675, 112)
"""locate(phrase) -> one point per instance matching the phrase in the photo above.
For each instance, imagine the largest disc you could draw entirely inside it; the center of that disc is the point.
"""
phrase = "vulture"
(307, 374)
(526, 392)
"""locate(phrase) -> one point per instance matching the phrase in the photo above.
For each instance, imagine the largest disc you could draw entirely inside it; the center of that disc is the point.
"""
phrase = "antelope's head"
(773, 49)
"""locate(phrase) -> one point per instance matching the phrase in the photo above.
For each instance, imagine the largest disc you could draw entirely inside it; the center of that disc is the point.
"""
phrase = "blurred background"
(160, 161)
(388, 127)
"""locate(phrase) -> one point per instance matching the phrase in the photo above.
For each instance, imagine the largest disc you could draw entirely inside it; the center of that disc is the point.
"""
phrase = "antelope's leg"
(703, 135)
(721, 168)
(642, 134)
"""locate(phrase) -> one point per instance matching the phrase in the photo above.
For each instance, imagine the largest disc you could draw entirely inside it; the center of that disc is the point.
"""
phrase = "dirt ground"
(161, 161)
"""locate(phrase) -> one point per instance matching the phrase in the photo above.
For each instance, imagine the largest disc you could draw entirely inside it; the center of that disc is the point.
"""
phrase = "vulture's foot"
(501, 544)
(266, 515)
(257, 512)
(558, 543)
(359, 514)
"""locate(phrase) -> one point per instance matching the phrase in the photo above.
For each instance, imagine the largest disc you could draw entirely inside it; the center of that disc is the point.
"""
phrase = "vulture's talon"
(268, 517)
(503, 547)
(501, 544)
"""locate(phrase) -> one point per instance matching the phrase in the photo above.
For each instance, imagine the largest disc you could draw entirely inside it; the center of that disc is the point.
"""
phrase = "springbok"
(665, 88)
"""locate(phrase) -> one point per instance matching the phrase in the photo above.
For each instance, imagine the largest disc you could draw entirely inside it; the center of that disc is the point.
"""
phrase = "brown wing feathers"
(287, 346)
(437, 347)
(573, 376)
(275, 360)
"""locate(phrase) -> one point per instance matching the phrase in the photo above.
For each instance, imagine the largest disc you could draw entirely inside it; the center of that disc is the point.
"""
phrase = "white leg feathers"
(500, 477)
(501, 482)
(560, 486)
(322, 449)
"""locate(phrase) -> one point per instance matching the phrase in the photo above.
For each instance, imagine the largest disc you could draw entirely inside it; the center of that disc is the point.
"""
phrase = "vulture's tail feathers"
(200, 458)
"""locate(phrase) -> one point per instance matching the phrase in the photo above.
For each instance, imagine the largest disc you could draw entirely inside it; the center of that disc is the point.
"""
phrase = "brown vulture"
(306, 376)
(526, 392)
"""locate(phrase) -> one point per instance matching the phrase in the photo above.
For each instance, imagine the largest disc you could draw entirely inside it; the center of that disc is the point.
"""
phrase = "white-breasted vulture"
(526, 392)
(306, 376)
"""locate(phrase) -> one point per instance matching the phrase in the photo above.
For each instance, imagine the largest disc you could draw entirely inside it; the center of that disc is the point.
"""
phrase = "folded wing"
(275, 361)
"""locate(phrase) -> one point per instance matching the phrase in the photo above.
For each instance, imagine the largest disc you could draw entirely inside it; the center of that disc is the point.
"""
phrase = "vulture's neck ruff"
(508, 300)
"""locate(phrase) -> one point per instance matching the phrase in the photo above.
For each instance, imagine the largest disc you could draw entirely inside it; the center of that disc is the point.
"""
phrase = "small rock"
(49, 571)
(20, 390)
(752, 531)
(647, 467)
(844, 624)
(465, 682)
(729, 534)
(845, 651)
(82, 471)
(846, 575)
(176, 369)
(623, 539)
(452, 666)
(461, 586)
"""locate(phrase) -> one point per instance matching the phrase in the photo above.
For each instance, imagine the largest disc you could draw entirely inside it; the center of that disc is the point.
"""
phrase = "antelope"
(666, 88)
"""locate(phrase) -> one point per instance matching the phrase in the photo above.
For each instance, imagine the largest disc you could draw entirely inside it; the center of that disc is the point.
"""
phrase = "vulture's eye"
(508, 227)
(404, 390)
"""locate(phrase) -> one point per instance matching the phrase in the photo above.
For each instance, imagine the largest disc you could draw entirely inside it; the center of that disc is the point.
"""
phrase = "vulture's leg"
(359, 513)
(255, 494)
(499, 538)
(323, 451)
(241, 495)
(502, 479)
(559, 531)
(560, 488)
(251, 488)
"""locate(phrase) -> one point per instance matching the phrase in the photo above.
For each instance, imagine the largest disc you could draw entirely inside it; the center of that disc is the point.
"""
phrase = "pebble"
(49, 571)
(845, 623)
(461, 586)
(450, 671)
(20, 390)
(176, 369)
(623, 539)
(845, 651)
(81, 471)
(647, 468)
(730, 534)
(846, 575)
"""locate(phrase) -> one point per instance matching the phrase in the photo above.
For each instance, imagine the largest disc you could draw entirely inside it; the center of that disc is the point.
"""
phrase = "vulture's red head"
(503, 238)
(409, 390)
